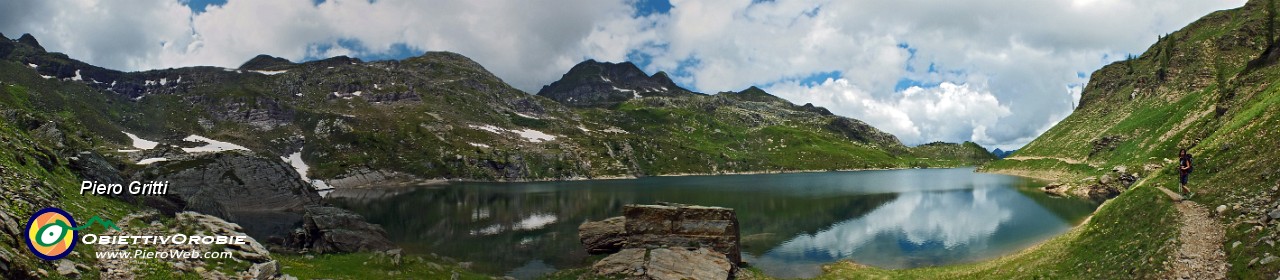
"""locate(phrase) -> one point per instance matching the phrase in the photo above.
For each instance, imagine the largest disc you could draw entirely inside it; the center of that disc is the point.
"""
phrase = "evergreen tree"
(1128, 62)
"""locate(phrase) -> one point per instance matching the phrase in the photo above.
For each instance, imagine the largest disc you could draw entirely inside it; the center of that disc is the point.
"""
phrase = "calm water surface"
(790, 223)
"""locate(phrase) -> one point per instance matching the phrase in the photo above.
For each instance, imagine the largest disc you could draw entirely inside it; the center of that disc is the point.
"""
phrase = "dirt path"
(1066, 160)
(1200, 255)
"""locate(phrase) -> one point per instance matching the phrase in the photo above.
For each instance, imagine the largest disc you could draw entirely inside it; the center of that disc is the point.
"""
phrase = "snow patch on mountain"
(269, 73)
(534, 135)
(141, 144)
(151, 160)
(210, 145)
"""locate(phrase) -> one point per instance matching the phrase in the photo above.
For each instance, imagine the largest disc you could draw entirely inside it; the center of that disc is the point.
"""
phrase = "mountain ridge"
(268, 105)
(438, 116)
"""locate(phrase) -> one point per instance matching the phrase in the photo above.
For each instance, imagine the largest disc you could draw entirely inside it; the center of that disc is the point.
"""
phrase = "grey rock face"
(263, 194)
(857, 130)
(67, 268)
(264, 271)
(628, 262)
(673, 263)
(93, 167)
(686, 263)
(671, 241)
(1102, 192)
(365, 177)
(603, 237)
(330, 229)
(262, 114)
(657, 226)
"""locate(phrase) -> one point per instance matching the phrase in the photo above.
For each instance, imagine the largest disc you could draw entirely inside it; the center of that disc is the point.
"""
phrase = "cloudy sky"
(997, 73)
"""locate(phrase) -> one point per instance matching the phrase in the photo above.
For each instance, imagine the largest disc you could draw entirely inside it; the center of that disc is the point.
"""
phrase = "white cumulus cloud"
(916, 115)
(995, 72)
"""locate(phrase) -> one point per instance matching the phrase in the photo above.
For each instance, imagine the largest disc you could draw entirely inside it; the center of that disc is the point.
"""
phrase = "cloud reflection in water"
(920, 228)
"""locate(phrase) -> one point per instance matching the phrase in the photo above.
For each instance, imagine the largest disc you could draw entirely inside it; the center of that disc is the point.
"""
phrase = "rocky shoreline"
(1097, 188)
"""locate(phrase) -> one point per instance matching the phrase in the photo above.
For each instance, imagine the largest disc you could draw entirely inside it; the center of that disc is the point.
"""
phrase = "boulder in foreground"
(669, 241)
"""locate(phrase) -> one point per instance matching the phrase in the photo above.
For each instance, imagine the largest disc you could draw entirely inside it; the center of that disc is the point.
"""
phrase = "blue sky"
(996, 72)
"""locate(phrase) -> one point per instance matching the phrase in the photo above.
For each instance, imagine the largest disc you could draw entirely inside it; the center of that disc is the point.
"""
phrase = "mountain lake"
(790, 223)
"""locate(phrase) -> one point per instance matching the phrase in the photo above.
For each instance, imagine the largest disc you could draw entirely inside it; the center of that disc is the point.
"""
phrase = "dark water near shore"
(790, 223)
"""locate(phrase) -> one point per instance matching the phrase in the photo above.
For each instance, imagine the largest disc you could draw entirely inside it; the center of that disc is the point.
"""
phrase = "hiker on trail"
(1184, 169)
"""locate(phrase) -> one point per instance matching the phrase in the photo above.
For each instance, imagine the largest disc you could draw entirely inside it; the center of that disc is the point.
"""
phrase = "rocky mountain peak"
(756, 94)
(267, 63)
(452, 59)
(30, 41)
(593, 84)
(447, 56)
(662, 77)
(340, 60)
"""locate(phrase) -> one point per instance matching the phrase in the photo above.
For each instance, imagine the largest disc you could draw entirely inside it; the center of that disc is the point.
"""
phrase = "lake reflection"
(790, 223)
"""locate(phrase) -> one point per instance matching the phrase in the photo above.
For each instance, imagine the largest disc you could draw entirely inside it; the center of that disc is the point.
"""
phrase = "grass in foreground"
(370, 266)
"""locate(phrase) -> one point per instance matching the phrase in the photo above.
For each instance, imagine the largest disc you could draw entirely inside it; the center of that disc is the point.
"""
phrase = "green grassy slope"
(1209, 101)
(44, 123)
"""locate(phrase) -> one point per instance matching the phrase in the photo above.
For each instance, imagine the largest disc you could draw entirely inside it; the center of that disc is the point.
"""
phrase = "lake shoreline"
(847, 266)
(482, 206)
(403, 183)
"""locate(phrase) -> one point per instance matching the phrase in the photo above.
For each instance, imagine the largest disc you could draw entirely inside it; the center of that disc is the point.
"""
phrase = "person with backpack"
(1184, 169)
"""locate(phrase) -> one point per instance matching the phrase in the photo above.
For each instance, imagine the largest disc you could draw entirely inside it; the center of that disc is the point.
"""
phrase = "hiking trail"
(1062, 159)
(1200, 254)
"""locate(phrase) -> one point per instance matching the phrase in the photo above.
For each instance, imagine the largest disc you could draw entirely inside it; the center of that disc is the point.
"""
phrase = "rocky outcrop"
(670, 241)
(675, 263)
(366, 177)
(862, 132)
(1099, 188)
(603, 237)
(336, 230)
(603, 84)
(820, 110)
(394, 97)
(251, 253)
(93, 167)
(1105, 144)
(262, 114)
(264, 194)
(656, 226)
